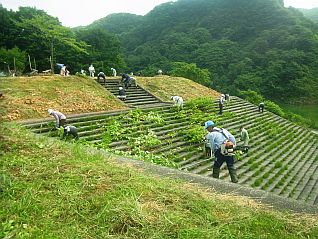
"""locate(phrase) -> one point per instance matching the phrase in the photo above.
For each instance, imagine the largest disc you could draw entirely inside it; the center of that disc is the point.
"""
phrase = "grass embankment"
(166, 86)
(30, 97)
(306, 111)
(53, 190)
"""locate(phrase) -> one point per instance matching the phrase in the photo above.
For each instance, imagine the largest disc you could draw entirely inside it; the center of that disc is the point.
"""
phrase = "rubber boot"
(216, 172)
(233, 175)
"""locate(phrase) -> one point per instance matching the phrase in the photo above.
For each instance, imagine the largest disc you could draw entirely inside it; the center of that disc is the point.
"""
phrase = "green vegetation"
(307, 111)
(36, 33)
(192, 72)
(65, 191)
(255, 98)
(312, 14)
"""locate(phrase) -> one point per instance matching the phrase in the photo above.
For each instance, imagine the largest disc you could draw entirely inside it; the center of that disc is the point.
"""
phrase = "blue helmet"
(208, 124)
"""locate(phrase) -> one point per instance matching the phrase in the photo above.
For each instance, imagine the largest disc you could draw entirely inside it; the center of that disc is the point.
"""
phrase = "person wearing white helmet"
(222, 144)
(122, 93)
(60, 118)
(178, 101)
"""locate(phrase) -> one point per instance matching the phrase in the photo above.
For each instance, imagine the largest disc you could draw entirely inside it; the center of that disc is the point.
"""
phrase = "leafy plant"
(144, 141)
(195, 133)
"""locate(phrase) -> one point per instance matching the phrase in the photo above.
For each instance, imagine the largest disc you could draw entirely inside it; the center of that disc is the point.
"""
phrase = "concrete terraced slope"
(283, 158)
(164, 87)
(30, 97)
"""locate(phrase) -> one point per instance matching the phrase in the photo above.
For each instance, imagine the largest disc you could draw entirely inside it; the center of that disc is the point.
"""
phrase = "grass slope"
(53, 190)
(166, 86)
(30, 97)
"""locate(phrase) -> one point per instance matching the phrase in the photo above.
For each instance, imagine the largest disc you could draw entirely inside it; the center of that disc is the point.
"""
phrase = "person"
(91, 70)
(101, 75)
(67, 72)
(217, 138)
(178, 101)
(261, 107)
(70, 130)
(122, 94)
(207, 147)
(227, 97)
(245, 138)
(126, 80)
(83, 72)
(159, 72)
(59, 117)
(63, 70)
(221, 104)
(114, 72)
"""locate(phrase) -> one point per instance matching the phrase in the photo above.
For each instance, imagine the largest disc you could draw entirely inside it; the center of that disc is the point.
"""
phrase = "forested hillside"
(258, 45)
(33, 32)
(311, 13)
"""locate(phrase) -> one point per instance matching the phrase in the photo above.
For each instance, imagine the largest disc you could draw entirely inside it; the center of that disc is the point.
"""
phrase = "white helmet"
(50, 111)
(120, 88)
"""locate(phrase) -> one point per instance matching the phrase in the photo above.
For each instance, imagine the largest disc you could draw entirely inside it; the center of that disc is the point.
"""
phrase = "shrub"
(251, 96)
(195, 133)
(274, 108)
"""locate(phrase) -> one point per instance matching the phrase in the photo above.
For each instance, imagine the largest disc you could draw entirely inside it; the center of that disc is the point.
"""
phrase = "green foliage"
(9, 55)
(200, 103)
(112, 132)
(272, 107)
(251, 96)
(194, 133)
(192, 72)
(144, 141)
(153, 117)
(259, 46)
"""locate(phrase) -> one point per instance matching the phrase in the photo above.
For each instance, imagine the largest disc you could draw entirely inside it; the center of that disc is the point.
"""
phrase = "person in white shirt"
(178, 101)
(91, 70)
(114, 72)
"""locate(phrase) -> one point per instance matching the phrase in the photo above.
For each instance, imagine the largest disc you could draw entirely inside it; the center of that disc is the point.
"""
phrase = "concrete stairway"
(136, 95)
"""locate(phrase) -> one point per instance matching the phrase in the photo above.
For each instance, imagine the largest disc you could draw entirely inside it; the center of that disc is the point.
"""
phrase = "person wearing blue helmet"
(222, 144)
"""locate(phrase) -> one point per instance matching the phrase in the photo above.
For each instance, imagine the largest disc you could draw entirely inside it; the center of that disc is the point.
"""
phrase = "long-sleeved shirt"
(244, 137)
(58, 116)
(221, 101)
(178, 100)
(216, 138)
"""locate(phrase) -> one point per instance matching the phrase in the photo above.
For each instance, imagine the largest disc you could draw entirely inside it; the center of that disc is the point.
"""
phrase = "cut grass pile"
(54, 190)
(30, 97)
(166, 86)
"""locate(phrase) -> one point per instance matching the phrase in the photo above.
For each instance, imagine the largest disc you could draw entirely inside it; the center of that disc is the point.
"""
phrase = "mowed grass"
(166, 86)
(30, 97)
(50, 189)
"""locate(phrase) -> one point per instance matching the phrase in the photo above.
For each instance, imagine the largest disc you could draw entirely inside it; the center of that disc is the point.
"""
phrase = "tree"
(14, 58)
(191, 71)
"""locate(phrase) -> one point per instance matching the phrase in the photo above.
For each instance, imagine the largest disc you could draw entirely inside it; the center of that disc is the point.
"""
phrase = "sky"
(74, 13)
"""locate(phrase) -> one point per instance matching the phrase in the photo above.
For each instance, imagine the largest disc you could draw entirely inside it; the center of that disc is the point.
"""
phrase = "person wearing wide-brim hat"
(60, 118)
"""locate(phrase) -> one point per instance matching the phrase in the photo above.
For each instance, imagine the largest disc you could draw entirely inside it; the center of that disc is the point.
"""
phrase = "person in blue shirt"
(216, 137)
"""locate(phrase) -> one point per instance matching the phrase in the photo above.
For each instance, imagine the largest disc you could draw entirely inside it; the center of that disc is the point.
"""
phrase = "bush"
(195, 133)
(251, 96)
(192, 72)
(274, 108)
